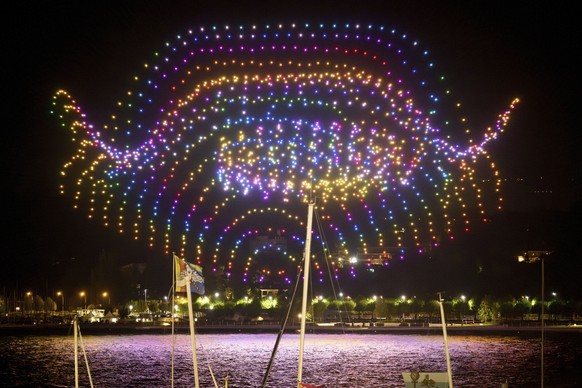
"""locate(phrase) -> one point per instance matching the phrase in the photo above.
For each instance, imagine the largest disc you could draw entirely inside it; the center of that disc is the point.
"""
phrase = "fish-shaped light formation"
(227, 131)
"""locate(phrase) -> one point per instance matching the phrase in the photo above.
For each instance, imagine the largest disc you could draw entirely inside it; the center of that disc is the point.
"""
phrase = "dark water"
(333, 360)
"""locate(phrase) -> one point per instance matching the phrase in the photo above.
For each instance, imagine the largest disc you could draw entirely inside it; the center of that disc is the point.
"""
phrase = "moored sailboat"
(302, 330)
(445, 377)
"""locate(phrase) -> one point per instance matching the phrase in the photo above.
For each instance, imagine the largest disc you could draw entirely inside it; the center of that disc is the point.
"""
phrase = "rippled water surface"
(333, 360)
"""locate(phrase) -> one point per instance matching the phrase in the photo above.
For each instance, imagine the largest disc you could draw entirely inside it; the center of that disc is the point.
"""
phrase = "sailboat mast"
(173, 311)
(192, 332)
(446, 341)
(306, 260)
(76, 334)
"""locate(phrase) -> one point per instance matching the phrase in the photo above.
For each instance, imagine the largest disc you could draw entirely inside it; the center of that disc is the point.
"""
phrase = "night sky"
(490, 52)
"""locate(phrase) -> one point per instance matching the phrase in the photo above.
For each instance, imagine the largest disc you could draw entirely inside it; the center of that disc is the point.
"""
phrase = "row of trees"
(486, 309)
(224, 307)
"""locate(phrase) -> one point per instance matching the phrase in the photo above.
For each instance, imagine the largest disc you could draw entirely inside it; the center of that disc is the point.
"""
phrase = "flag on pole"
(185, 271)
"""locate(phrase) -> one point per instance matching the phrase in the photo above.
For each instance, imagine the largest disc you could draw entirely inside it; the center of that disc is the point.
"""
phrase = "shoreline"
(130, 329)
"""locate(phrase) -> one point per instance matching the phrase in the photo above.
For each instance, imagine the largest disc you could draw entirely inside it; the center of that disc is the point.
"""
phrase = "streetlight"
(31, 300)
(84, 296)
(62, 301)
(532, 257)
(106, 295)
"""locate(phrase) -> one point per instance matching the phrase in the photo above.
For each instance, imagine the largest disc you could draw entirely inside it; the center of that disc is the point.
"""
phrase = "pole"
(449, 371)
(173, 311)
(192, 333)
(542, 345)
(305, 291)
(75, 333)
(532, 257)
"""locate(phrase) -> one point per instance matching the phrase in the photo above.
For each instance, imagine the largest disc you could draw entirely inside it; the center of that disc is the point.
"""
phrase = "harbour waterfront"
(365, 358)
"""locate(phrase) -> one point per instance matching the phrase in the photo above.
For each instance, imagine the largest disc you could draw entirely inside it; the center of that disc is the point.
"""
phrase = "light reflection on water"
(336, 360)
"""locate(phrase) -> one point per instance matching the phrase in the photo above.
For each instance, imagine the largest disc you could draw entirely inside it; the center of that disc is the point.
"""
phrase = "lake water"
(333, 360)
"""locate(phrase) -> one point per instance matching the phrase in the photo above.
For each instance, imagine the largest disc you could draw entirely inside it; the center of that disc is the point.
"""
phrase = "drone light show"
(226, 132)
